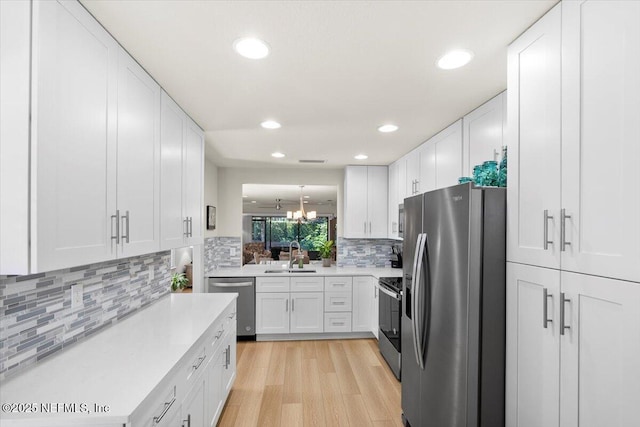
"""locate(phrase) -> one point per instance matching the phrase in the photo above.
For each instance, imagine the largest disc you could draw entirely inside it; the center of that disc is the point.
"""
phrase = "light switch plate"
(232, 251)
(151, 274)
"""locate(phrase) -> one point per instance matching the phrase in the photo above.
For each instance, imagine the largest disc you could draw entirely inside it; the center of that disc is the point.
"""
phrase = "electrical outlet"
(76, 296)
(151, 273)
(232, 251)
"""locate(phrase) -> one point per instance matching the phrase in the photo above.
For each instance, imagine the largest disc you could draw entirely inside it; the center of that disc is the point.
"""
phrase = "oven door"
(390, 314)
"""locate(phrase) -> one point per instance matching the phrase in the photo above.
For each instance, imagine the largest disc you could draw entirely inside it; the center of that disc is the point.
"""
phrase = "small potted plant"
(325, 253)
(178, 281)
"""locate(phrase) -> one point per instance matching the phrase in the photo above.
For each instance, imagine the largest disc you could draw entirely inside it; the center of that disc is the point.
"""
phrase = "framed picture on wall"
(211, 217)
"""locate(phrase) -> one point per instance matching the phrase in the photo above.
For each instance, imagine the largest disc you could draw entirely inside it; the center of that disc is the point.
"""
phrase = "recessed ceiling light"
(270, 124)
(277, 155)
(253, 201)
(387, 128)
(251, 48)
(455, 59)
(245, 197)
(306, 197)
(361, 157)
(306, 201)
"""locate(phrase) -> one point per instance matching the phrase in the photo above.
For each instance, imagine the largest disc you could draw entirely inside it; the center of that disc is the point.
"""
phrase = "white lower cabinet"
(193, 406)
(272, 312)
(307, 312)
(573, 345)
(363, 299)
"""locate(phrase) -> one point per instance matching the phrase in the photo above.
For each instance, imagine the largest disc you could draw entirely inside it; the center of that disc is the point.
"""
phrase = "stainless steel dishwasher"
(245, 287)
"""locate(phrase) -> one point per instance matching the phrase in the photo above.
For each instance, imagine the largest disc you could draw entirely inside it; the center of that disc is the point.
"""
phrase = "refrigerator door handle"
(414, 299)
(417, 314)
(427, 305)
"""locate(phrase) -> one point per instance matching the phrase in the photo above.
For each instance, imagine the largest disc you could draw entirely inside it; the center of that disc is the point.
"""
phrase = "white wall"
(211, 195)
(230, 182)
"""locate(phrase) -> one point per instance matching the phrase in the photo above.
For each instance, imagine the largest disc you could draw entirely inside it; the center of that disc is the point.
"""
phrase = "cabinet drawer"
(272, 284)
(196, 364)
(338, 284)
(337, 301)
(337, 322)
(307, 284)
(159, 412)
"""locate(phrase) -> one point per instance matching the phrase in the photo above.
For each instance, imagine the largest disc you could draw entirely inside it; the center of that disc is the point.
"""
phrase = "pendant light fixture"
(301, 215)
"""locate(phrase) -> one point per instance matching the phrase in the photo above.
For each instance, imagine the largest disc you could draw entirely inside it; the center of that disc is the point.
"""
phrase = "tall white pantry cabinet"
(573, 245)
(80, 146)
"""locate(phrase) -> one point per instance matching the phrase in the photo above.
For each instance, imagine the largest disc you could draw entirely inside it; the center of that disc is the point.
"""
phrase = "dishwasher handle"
(231, 285)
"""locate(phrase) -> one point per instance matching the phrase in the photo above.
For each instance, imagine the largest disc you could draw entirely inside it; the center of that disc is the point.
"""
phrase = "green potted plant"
(325, 253)
(178, 281)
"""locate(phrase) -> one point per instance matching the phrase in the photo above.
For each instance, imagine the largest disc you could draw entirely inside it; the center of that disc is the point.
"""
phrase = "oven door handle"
(386, 291)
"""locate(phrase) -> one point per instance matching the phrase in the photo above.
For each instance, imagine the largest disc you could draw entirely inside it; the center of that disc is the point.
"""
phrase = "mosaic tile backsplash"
(36, 317)
(364, 252)
(217, 253)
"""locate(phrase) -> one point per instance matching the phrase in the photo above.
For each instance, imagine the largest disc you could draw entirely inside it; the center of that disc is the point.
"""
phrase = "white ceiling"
(336, 71)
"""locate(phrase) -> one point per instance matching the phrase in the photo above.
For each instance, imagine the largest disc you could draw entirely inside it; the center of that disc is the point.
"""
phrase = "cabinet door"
(393, 201)
(272, 313)
(601, 137)
(362, 304)
(307, 312)
(377, 203)
(413, 173)
(229, 373)
(533, 348)
(427, 167)
(448, 145)
(74, 106)
(482, 133)
(193, 172)
(600, 352)
(193, 406)
(172, 135)
(215, 396)
(402, 180)
(375, 312)
(138, 177)
(533, 138)
(355, 201)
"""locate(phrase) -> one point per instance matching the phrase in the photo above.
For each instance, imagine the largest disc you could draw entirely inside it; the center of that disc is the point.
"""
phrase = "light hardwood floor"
(312, 383)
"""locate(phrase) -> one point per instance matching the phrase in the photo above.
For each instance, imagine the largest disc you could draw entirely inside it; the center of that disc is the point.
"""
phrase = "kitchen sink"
(291, 270)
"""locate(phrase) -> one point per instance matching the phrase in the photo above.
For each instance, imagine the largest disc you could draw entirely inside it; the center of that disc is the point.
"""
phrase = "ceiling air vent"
(312, 161)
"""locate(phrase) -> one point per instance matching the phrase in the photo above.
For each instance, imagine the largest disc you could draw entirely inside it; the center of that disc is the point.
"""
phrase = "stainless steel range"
(390, 314)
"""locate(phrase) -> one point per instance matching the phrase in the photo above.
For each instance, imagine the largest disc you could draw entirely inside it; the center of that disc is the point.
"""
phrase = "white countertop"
(253, 270)
(119, 366)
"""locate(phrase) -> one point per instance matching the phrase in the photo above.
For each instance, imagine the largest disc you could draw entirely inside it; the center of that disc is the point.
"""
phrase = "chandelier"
(301, 215)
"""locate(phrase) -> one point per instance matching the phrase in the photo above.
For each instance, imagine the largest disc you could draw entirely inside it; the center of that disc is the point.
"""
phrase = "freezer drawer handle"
(563, 300)
(545, 308)
(547, 217)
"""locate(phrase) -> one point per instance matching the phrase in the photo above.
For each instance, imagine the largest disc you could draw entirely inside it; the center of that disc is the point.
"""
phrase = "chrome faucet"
(291, 258)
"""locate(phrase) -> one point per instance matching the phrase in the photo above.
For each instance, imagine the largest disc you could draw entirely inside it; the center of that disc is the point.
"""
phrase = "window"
(278, 232)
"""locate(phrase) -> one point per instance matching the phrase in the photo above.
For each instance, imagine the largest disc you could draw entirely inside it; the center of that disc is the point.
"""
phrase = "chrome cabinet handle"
(117, 236)
(563, 230)
(125, 217)
(338, 303)
(188, 421)
(495, 154)
(286, 307)
(167, 406)
(227, 356)
(199, 362)
(185, 229)
(545, 303)
(190, 226)
(547, 217)
(365, 227)
(417, 186)
(293, 301)
(369, 227)
(338, 323)
(563, 326)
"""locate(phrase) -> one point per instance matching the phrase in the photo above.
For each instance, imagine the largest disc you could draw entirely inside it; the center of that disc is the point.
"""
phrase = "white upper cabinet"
(366, 202)
(182, 172)
(194, 180)
(393, 201)
(138, 175)
(483, 133)
(448, 151)
(601, 138)
(533, 138)
(73, 138)
(427, 155)
(412, 178)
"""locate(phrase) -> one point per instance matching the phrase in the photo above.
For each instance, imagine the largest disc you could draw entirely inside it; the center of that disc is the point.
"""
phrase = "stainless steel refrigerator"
(453, 308)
